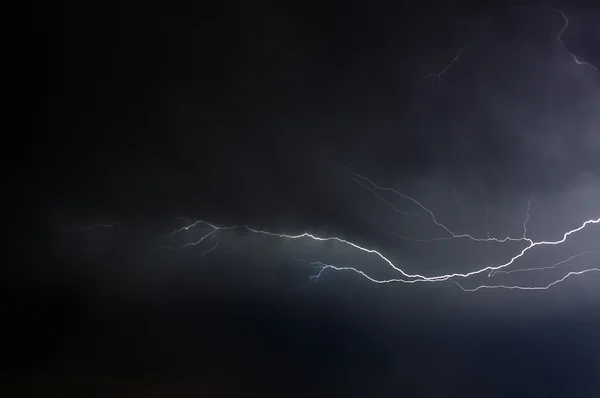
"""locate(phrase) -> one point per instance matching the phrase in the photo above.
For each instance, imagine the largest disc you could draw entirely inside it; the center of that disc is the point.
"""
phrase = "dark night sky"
(248, 113)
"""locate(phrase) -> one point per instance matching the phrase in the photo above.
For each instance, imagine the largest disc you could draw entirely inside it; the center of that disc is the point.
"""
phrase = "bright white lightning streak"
(413, 277)
(525, 222)
(516, 287)
(573, 56)
(321, 266)
(406, 277)
(513, 271)
(453, 235)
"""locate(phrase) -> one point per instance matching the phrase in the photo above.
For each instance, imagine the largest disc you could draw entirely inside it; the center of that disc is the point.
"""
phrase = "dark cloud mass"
(158, 114)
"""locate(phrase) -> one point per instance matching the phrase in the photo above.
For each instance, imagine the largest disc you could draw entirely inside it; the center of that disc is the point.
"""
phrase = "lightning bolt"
(450, 233)
(454, 60)
(516, 287)
(559, 37)
(210, 249)
(381, 199)
(418, 210)
(527, 216)
(575, 59)
(454, 235)
(94, 226)
(210, 230)
(567, 261)
(405, 277)
(194, 243)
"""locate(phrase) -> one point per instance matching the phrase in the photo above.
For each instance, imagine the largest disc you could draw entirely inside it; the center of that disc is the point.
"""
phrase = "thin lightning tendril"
(454, 60)
(94, 226)
(487, 214)
(517, 287)
(574, 57)
(567, 261)
(527, 216)
(563, 30)
(406, 277)
(374, 192)
(210, 249)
